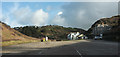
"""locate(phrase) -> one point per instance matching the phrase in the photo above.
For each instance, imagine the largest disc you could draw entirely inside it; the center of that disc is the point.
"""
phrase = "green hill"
(52, 31)
(10, 36)
(114, 22)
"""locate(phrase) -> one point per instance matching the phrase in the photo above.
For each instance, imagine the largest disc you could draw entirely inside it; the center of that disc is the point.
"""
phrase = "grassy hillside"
(52, 31)
(11, 36)
(114, 22)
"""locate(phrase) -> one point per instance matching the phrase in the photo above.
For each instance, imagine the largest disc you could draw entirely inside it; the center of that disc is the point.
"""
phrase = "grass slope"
(52, 31)
(10, 36)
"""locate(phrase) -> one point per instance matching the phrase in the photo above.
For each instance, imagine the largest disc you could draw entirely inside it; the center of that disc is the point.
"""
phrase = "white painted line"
(39, 52)
(79, 53)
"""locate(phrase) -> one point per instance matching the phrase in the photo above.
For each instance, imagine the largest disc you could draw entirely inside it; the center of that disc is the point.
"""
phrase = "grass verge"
(7, 43)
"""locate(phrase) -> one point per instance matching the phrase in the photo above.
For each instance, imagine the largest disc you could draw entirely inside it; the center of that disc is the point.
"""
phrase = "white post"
(46, 38)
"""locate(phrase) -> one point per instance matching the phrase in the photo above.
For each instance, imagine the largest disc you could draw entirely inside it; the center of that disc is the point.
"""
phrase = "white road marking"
(39, 52)
(79, 53)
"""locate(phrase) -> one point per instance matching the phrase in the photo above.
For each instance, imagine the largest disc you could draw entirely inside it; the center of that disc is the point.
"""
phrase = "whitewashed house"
(76, 36)
(99, 29)
(73, 36)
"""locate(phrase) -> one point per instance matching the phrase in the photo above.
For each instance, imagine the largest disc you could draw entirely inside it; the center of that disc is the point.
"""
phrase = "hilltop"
(10, 36)
(52, 31)
(114, 22)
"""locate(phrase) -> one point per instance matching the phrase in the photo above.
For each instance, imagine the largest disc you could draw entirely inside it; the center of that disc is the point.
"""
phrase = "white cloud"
(79, 14)
(58, 20)
(39, 17)
(59, 13)
(84, 14)
(5, 19)
(24, 16)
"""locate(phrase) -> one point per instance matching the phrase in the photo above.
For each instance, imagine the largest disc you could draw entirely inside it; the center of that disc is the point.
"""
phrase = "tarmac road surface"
(75, 47)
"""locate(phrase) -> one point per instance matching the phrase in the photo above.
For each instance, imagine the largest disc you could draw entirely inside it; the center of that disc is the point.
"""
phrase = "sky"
(67, 14)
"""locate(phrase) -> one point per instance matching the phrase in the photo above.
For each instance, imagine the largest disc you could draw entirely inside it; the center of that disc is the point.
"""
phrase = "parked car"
(98, 37)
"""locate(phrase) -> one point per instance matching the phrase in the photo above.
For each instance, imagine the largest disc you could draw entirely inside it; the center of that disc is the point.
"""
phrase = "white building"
(76, 36)
(100, 29)
(73, 36)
